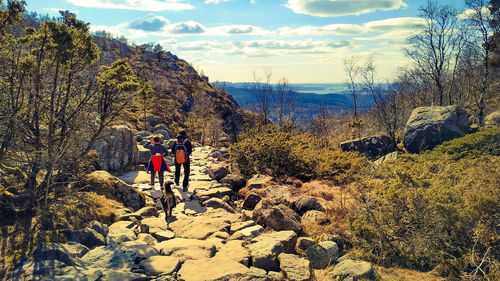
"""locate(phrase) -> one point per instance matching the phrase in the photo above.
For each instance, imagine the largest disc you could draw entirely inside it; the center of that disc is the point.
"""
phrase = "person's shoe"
(184, 188)
(152, 184)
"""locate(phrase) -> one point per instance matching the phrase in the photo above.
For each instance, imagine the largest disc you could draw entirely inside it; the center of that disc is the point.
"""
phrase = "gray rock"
(165, 132)
(353, 270)
(234, 250)
(322, 254)
(215, 192)
(164, 235)
(88, 237)
(100, 227)
(187, 249)
(120, 275)
(241, 225)
(307, 203)
(117, 148)
(302, 244)
(251, 200)
(112, 187)
(160, 265)
(266, 248)
(143, 154)
(492, 120)
(76, 249)
(278, 217)
(121, 256)
(236, 182)
(121, 231)
(217, 172)
(249, 232)
(432, 125)
(147, 238)
(259, 181)
(218, 203)
(279, 194)
(54, 251)
(295, 268)
(147, 212)
(275, 276)
(218, 269)
(372, 147)
(385, 158)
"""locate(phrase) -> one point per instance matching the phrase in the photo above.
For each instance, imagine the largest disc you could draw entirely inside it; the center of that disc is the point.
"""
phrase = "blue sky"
(302, 40)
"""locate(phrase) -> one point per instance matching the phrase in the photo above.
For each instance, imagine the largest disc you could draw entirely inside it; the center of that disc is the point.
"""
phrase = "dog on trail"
(168, 200)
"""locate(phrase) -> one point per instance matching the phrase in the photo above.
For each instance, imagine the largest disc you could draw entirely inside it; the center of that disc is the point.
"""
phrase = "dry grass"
(76, 209)
(400, 274)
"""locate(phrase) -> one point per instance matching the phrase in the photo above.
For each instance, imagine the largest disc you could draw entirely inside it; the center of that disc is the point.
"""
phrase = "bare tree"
(479, 18)
(285, 98)
(434, 48)
(263, 92)
(352, 71)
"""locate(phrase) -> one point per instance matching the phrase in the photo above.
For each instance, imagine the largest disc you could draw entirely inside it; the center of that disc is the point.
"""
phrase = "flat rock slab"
(122, 256)
(155, 224)
(135, 177)
(217, 269)
(160, 265)
(234, 250)
(120, 275)
(198, 227)
(241, 225)
(187, 249)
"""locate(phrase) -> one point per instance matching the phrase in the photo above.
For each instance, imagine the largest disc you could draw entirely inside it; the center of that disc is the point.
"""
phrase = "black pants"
(160, 178)
(178, 174)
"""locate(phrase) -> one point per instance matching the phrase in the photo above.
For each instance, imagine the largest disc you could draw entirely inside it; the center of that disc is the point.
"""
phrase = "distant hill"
(335, 97)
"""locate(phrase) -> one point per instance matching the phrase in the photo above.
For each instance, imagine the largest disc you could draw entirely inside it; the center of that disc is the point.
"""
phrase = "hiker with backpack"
(181, 150)
(157, 163)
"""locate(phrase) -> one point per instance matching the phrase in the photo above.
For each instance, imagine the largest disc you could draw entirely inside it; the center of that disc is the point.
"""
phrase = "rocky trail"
(208, 237)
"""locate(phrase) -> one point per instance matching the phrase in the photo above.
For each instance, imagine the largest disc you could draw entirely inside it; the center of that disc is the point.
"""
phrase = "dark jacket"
(189, 147)
(156, 148)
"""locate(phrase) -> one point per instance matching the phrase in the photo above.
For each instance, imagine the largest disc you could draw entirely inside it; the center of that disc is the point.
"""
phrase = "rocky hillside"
(175, 83)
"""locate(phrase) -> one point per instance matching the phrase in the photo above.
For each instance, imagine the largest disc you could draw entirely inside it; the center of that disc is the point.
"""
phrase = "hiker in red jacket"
(157, 163)
(181, 150)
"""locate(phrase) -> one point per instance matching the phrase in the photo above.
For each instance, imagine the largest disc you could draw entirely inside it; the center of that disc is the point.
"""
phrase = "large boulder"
(278, 217)
(87, 237)
(306, 203)
(251, 200)
(163, 131)
(112, 187)
(266, 248)
(259, 181)
(54, 251)
(322, 254)
(117, 148)
(372, 147)
(432, 125)
(217, 172)
(493, 119)
(143, 155)
(353, 270)
(160, 265)
(236, 182)
(295, 268)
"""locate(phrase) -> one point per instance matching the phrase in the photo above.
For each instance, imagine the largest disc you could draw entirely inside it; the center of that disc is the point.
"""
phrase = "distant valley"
(309, 97)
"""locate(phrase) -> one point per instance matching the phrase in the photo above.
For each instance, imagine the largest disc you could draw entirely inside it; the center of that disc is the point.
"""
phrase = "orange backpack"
(180, 152)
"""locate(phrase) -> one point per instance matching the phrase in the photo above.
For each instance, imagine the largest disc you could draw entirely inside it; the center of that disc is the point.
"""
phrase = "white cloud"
(215, 1)
(187, 27)
(391, 25)
(138, 5)
(238, 29)
(259, 48)
(57, 10)
(149, 23)
(335, 8)
(472, 13)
